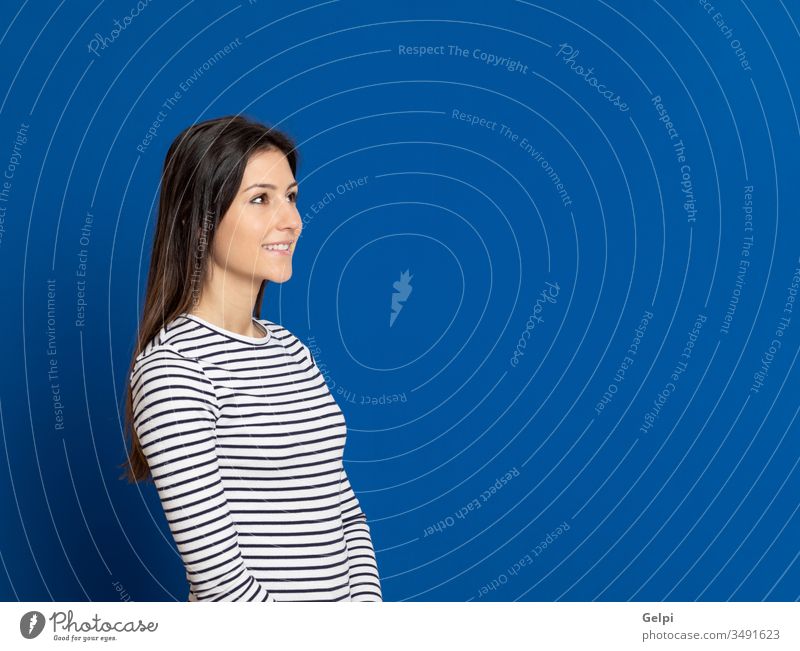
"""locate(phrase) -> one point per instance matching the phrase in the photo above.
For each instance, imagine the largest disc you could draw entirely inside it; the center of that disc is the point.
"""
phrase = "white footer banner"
(386, 626)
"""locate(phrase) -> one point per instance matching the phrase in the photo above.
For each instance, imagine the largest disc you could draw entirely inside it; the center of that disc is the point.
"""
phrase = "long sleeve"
(175, 413)
(365, 583)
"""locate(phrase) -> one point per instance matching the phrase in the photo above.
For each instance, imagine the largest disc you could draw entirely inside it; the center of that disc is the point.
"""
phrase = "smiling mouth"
(279, 248)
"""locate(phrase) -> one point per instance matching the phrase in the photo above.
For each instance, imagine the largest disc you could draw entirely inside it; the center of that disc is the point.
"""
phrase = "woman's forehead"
(268, 167)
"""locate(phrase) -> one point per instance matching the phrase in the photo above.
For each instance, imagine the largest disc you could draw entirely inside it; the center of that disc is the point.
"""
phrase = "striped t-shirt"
(244, 442)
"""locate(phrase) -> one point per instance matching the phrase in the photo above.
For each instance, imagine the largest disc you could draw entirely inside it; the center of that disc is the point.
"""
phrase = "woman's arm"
(175, 414)
(365, 583)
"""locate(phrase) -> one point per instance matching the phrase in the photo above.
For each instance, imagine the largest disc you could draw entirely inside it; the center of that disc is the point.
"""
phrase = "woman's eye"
(292, 198)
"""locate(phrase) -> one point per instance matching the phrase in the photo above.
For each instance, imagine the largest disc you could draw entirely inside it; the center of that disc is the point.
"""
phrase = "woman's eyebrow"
(267, 185)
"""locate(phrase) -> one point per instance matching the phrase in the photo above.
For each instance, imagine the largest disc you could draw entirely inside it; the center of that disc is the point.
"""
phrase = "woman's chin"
(278, 275)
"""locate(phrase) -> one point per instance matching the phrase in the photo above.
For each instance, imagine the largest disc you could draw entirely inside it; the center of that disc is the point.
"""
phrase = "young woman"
(228, 412)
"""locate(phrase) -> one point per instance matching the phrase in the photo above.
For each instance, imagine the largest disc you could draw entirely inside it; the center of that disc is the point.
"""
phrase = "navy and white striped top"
(244, 442)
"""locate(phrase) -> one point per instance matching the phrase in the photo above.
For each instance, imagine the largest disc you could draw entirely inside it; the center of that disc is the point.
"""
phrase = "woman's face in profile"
(263, 212)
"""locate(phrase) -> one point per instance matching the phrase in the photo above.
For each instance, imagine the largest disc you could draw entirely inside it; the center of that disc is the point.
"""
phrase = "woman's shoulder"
(162, 354)
(279, 332)
(284, 336)
(163, 359)
(167, 341)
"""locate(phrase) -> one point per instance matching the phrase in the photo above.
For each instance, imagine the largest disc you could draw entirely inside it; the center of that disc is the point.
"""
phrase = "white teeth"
(277, 247)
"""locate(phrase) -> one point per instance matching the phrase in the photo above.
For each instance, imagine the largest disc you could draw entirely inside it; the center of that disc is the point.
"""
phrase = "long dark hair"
(203, 170)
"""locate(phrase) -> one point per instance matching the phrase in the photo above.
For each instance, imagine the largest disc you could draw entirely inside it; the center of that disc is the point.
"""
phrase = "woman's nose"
(290, 217)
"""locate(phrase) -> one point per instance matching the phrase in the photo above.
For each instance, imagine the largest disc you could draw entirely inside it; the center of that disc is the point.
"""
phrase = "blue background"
(702, 505)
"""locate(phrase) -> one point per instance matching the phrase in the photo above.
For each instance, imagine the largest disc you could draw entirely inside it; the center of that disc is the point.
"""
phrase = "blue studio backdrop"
(549, 267)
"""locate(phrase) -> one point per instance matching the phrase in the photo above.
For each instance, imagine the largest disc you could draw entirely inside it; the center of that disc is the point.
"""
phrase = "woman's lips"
(278, 252)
